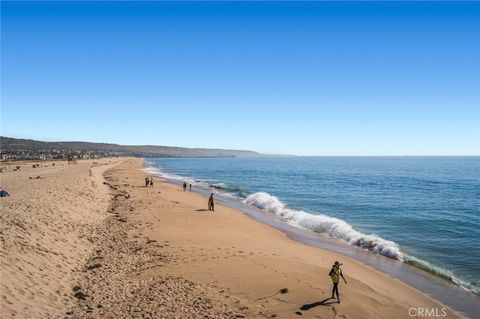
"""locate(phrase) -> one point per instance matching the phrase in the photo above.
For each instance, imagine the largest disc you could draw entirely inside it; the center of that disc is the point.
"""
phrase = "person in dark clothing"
(335, 274)
(211, 203)
(184, 186)
(190, 187)
(151, 181)
(147, 181)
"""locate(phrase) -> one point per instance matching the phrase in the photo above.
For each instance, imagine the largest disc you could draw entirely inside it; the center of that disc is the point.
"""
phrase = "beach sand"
(74, 247)
(44, 231)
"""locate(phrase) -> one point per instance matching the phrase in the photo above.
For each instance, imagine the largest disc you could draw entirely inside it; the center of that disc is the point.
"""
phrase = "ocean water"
(424, 211)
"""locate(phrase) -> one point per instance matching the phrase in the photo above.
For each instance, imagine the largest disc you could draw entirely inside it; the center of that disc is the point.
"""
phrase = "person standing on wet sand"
(151, 181)
(147, 181)
(184, 186)
(190, 184)
(211, 203)
(335, 274)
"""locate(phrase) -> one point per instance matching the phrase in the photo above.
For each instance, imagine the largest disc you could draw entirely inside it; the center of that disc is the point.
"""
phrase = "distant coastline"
(17, 149)
(27, 149)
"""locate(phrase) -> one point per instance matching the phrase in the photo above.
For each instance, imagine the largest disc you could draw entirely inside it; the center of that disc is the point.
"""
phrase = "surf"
(334, 227)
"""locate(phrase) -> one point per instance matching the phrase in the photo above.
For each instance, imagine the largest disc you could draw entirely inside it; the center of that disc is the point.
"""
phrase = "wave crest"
(331, 226)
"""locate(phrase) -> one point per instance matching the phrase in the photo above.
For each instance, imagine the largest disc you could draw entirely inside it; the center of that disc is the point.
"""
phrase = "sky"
(304, 78)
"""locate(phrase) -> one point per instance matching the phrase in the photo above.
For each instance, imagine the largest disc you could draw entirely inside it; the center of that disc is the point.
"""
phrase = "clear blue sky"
(334, 78)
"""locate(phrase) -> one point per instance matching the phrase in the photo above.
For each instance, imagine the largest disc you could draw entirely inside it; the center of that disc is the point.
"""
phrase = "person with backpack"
(335, 274)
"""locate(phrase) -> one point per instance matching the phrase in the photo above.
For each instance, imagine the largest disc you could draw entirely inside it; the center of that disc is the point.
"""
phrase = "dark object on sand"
(95, 266)
(3, 193)
(71, 159)
(281, 291)
(109, 185)
(80, 295)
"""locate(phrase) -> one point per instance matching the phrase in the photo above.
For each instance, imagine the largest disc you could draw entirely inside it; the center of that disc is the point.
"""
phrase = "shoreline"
(101, 244)
(436, 287)
(330, 226)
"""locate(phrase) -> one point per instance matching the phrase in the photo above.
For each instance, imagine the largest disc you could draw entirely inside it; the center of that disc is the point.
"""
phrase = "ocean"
(424, 211)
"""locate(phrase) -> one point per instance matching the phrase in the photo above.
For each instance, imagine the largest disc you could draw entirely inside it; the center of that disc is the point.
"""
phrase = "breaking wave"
(340, 229)
(331, 226)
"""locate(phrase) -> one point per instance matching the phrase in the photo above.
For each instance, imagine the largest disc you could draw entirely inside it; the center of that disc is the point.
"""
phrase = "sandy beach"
(75, 247)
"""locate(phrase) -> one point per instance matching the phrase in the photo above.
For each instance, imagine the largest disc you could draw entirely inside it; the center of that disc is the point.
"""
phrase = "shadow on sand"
(201, 210)
(324, 302)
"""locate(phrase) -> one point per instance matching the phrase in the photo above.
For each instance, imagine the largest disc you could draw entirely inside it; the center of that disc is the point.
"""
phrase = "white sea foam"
(334, 227)
(157, 172)
(441, 272)
(154, 169)
(218, 185)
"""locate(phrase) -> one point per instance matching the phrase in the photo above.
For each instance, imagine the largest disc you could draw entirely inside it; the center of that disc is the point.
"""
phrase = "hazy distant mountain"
(10, 145)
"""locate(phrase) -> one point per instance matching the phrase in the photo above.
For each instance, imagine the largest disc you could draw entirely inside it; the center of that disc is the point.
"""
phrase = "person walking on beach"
(151, 181)
(335, 274)
(211, 203)
(184, 186)
(146, 181)
(190, 184)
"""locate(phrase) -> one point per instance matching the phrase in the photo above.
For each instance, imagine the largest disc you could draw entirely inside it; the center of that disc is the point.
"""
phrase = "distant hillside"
(23, 149)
